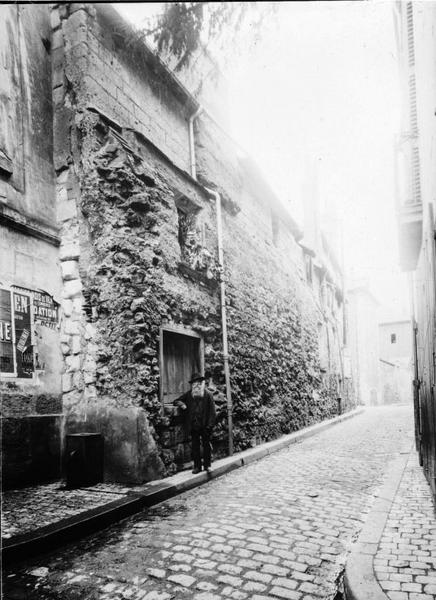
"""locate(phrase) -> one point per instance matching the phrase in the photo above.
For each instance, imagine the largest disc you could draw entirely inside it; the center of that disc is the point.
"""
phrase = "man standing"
(200, 414)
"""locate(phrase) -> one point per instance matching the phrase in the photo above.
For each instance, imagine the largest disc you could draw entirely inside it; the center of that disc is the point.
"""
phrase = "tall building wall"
(364, 345)
(396, 340)
(30, 284)
(137, 270)
(416, 27)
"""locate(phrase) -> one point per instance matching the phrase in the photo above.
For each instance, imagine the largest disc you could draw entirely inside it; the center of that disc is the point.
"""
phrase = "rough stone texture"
(303, 506)
(121, 150)
(30, 508)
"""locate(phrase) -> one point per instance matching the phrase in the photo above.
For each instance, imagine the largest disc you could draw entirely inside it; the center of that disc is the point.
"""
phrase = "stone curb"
(45, 538)
(360, 581)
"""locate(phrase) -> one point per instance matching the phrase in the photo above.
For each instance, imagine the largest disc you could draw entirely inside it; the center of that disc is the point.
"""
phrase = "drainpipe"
(191, 140)
(222, 282)
(224, 319)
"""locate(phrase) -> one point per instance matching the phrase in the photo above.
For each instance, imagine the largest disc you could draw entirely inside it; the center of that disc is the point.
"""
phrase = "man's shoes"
(208, 469)
(195, 471)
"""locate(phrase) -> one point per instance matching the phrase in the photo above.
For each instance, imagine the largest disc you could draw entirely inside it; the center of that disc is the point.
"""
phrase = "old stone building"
(174, 255)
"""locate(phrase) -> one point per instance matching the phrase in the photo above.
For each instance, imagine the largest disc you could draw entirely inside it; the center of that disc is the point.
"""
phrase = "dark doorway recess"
(181, 353)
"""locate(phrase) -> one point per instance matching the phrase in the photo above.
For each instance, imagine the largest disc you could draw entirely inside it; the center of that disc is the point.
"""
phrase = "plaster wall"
(402, 347)
(31, 405)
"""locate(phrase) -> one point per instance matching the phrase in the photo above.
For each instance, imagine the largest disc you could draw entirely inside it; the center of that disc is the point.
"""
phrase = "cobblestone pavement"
(278, 528)
(405, 564)
(50, 503)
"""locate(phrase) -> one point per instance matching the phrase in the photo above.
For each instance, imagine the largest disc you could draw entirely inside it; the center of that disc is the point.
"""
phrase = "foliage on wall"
(131, 232)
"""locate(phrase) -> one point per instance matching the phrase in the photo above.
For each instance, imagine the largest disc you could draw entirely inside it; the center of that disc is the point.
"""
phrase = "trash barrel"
(84, 459)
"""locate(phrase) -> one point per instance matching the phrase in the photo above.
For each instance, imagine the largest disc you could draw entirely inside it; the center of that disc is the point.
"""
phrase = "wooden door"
(181, 357)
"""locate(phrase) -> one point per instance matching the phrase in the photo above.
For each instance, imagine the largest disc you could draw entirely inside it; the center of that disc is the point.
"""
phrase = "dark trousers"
(201, 436)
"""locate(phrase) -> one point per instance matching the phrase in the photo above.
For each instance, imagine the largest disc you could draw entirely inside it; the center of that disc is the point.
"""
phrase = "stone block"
(78, 304)
(67, 307)
(72, 288)
(67, 382)
(73, 363)
(63, 177)
(89, 378)
(69, 251)
(54, 18)
(70, 270)
(67, 210)
(89, 331)
(78, 382)
(75, 344)
(71, 328)
(57, 40)
(90, 391)
(58, 79)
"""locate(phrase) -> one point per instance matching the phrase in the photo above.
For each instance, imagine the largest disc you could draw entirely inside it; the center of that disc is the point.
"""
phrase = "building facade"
(30, 277)
(416, 198)
(172, 255)
(363, 340)
(396, 361)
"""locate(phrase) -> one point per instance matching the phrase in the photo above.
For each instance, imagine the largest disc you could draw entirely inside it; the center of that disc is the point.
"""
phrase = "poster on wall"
(45, 310)
(23, 337)
(6, 333)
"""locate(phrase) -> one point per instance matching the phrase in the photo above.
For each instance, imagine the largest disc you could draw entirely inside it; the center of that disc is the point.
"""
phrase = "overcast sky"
(322, 85)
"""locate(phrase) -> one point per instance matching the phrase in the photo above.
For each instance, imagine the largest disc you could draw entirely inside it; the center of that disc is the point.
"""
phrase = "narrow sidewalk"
(394, 557)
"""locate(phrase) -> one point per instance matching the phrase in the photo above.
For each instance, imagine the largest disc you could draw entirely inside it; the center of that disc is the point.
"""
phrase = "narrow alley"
(218, 300)
(279, 528)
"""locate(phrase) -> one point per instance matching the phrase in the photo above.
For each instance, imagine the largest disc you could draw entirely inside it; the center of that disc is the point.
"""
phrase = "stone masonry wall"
(120, 173)
(279, 383)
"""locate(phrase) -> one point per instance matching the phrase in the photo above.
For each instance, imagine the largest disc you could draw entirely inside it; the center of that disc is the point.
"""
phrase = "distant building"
(396, 372)
(416, 201)
(363, 343)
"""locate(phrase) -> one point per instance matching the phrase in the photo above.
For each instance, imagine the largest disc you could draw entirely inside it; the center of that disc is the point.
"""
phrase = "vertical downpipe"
(222, 282)
(224, 321)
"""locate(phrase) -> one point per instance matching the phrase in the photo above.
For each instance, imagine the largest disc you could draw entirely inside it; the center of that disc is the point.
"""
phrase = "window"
(189, 235)
(393, 338)
(192, 238)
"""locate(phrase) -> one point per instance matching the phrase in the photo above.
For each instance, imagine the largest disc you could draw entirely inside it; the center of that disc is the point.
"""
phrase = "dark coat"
(203, 408)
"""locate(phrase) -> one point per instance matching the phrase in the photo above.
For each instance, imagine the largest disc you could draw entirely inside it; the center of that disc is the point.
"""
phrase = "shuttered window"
(413, 110)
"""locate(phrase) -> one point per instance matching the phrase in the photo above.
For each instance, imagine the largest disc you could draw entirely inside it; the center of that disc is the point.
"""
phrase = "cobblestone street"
(278, 528)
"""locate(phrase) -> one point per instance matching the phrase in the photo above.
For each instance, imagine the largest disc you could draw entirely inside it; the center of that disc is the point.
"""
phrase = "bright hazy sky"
(323, 85)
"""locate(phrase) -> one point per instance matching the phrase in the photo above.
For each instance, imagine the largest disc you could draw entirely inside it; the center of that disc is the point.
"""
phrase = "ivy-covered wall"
(128, 269)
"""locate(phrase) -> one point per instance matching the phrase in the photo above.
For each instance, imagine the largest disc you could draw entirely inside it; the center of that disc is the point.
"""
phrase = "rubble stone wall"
(279, 383)
(120, 174)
